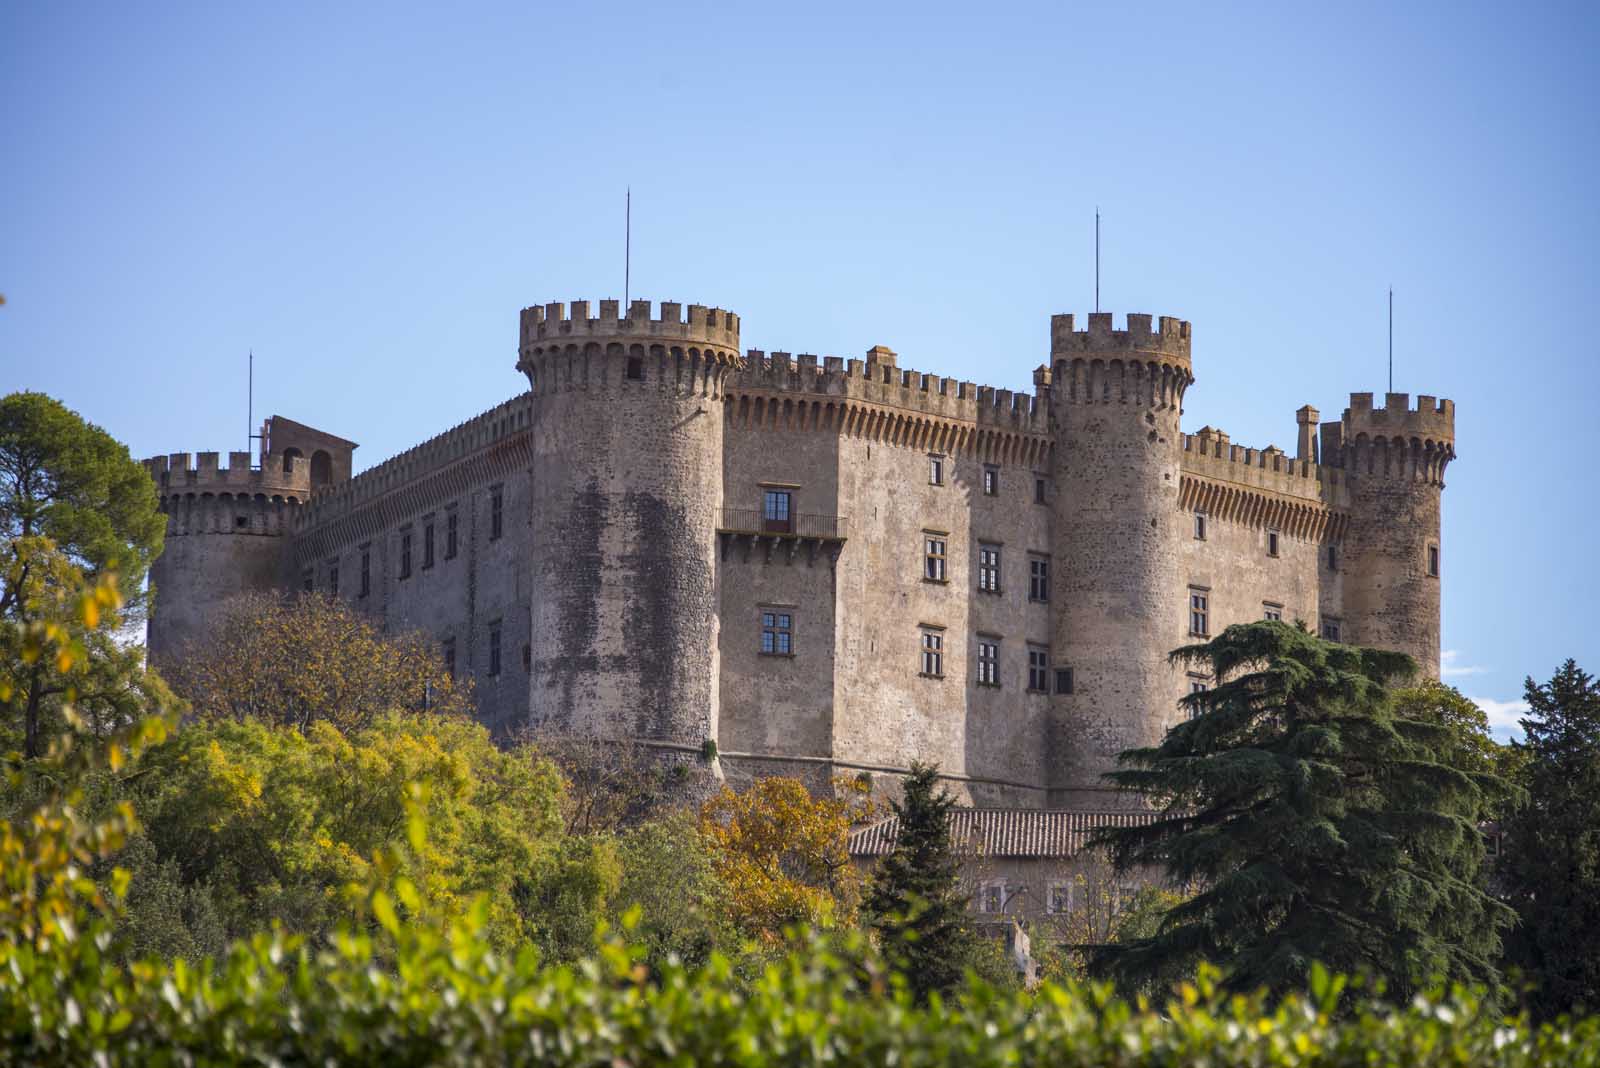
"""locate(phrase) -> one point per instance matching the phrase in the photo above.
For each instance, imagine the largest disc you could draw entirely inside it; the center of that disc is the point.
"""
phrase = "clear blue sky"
(366, 198)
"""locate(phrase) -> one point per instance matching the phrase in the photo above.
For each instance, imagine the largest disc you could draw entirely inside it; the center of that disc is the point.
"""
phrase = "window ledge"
(778, 656)
(936, 582)
(1198, 634)
(1038, 600)
(988, 685)
(925, 675)
(991, 593)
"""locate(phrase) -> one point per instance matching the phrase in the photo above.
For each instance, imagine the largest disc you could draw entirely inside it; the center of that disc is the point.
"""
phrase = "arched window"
(289, 457)
(321, 468)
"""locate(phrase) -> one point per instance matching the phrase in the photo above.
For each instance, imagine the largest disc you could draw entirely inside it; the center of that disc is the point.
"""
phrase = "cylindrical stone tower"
(225, 536)
(627, 496)
(1118, 597)
(1394, 461)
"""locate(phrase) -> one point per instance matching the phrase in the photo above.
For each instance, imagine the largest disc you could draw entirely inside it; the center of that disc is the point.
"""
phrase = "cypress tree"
(1550, 866)
(1316, 824)
(915, 904)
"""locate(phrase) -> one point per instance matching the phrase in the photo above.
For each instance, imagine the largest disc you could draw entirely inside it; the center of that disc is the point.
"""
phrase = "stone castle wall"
(632, 564)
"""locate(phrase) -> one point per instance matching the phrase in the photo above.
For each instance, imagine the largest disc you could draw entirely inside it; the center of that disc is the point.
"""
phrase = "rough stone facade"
(984, 579)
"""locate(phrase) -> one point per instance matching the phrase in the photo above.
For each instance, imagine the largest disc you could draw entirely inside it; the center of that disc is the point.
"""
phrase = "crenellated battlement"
(1168, 337)
(1431, 419)
(700, 326)
(400, 472)
(880, 382)
(1209, 453)
(174, 475)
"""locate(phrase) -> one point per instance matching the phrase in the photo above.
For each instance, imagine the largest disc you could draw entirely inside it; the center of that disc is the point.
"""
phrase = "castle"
(776, 564)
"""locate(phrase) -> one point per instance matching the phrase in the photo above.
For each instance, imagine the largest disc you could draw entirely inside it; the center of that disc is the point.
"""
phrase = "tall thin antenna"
(1391, 339)
(250, 403)
(1097, 257)
(627, 251)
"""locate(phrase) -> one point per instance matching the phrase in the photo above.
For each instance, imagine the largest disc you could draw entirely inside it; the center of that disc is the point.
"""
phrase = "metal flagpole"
(1391, 339)
(627, 251)
(1097, 257)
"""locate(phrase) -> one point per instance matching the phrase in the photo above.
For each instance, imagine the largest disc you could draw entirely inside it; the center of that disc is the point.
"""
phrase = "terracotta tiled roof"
(1006, 832)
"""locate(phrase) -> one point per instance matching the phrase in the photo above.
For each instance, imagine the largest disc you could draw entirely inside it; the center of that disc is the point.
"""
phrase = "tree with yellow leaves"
(783, 854)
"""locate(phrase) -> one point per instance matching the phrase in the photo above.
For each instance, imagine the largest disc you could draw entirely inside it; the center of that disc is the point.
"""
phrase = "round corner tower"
(225, 536)
(627, 495)
(1394, 461)
(1119, 601)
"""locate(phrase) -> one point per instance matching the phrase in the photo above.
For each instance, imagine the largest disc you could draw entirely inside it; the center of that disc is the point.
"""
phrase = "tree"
(295, 660)
(1470, 746)
(784, 855)
(916, 905)
(1318, 825)
(1550, 864)
(67, 480)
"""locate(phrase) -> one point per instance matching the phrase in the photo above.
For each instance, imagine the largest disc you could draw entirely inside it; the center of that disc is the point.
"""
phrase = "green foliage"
(68, 480)
(1550, 867)
(668, 876)
(1318, 825)
(1469, 747)
(915, 904)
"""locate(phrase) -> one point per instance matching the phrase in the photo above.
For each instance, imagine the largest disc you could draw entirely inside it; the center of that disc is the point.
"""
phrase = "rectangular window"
(1058, 899)
(333, 578)
(932, 653)
(448, 647)
(405, 554)
(1038, 579)
(1064, 680)
(427, 544)
(988, 662)
(934, 557)
(1333, 558)
(494, 648)
(936, 470)
(1433, 561)
(1038, 491)
(989, 568)
(1199, 612)
(1273, 612)
(1039, 670)
(497, 507)
(366, 569)
(1330, 629)
(527, 657)
(991, 481)
(777, 633)
(452, 522)
(307, 580)
(1197, 684)
(776, 516)
(1199, 526)
(1272, 543)
(636, 368)
(992, 897)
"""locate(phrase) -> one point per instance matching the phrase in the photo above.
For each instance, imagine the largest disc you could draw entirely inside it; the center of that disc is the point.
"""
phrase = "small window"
(1433, 561)
(991, 481)
(452, 523)
(989, 568)
(777, 516)
(448, 648)
(636, 368)
(777, 633)
(405, 554)
(1199, 612)
(241, 522)
(427, 544)
(307, 580)
(1058, 899)
(1199, 526)
(497, 502)
(1330, 629)
(934, 556)
(992, 897)
(932, 653)
(366, 569)
(1272, 543)
(936, 470)
(1064, 680)
(1038, 579)
(333, 578)
(1333, 558)
(494, 648)
(1038, 491)
(1039, 670)
(1272, 612)
(988, 662)
(1197, 684)
(527, 657)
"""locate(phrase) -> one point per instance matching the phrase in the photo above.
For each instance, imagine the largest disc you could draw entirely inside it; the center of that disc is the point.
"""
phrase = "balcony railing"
(795, 525)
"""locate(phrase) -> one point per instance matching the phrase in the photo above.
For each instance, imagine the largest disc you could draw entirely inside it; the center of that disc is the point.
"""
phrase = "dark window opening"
(496, 512)
(1039, 670)
(494, 648)
(366, 570)
(333, 579)
(1038, 580)
(241, 522)
(1433, 561)
(450, 657)
(989, 568)
(450, 524)
(636, 368)
(1333, 558)
(289, 457)
(405, 554)
(1064, 680)
(1272, 543)
(991, 481)
(1038, 491)
(427, 545)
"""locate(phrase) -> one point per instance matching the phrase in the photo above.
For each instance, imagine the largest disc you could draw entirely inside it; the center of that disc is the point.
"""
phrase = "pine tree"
(915, 904)
(1317, 825)
(1550, 866)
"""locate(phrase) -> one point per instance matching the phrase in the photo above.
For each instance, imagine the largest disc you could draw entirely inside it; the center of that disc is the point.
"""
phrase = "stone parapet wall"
(174, 475)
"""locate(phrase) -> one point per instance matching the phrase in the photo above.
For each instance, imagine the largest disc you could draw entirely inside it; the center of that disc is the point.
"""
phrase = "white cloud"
(1450, 669)
(1503, 715)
